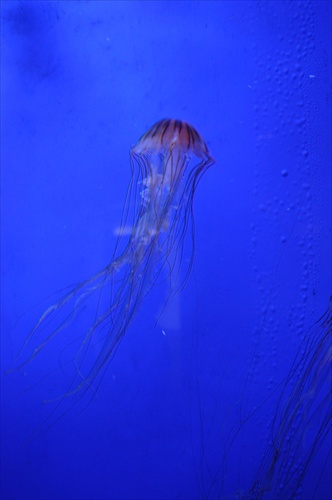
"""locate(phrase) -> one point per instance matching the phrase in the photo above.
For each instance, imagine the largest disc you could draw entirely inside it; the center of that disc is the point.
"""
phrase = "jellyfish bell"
(164, 153)
(172, 135)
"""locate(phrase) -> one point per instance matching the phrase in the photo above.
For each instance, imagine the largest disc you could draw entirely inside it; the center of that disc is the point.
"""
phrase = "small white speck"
(163, 332)
(312, 76)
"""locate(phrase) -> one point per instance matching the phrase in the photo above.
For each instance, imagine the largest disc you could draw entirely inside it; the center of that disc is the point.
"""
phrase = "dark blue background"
(81, 82)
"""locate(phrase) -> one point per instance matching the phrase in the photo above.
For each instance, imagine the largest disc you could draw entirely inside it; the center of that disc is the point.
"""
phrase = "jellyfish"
(167, 164)
(296, 458)
(302, 422)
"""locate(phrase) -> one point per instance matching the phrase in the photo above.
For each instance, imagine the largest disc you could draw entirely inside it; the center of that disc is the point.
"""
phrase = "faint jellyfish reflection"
(303, 417)
(299, 433)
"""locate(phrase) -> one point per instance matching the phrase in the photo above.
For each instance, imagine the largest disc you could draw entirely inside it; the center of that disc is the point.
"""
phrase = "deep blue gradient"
(189, 404)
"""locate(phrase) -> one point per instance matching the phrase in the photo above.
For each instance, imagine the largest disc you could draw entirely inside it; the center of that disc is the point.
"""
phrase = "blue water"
(222, 389)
